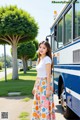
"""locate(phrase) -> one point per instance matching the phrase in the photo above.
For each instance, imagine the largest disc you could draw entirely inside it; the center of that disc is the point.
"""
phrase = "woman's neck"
(43, 56)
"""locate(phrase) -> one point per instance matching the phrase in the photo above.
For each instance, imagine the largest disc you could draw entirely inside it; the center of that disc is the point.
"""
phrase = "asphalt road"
(8, 70)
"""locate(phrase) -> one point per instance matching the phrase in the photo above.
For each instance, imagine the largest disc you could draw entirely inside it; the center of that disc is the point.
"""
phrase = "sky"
(41, 10)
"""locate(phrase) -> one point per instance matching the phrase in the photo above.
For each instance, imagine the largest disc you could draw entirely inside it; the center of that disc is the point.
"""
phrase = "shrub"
(1, 65)
(21, 69)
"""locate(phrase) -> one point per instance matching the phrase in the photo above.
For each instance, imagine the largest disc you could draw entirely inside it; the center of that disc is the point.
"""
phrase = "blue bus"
(65, 42)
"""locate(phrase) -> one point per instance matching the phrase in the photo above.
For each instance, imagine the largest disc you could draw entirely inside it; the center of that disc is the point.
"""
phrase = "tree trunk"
(15, 63)
(24, 65)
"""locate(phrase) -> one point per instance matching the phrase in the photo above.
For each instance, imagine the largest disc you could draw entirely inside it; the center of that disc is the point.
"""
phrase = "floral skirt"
(43, 107)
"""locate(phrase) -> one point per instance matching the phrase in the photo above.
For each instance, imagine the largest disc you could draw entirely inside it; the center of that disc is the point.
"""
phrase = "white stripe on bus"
(71, 65)
(76, 95)
(72, 72)
(56, 82)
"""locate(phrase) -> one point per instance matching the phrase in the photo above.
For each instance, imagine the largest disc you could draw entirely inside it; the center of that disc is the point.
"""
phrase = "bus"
(65, 43)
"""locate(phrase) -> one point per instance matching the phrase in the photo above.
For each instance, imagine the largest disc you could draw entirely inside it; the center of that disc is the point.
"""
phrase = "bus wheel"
(68, 113)
(63, 98)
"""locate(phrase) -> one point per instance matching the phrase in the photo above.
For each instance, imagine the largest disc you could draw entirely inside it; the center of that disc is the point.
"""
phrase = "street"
(8, 70)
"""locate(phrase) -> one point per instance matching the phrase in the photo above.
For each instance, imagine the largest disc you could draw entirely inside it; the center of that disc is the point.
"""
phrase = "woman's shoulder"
(47, 59)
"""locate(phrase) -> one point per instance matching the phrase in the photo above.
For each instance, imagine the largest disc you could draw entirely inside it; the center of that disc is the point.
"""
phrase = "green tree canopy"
(25, 52)
(36, 43)
(16, 25)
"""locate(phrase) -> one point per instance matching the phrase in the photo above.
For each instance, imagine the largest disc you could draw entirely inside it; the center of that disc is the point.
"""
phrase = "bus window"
(55, 33)
(77, 19)
(54, 38)
(54, 44)
(60, 41)
(68, 27)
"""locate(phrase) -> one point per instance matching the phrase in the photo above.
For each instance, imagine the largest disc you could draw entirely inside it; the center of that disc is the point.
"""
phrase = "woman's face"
(42, 49)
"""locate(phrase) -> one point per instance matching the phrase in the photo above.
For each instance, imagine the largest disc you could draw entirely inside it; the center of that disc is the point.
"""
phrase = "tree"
(26, 51)
(16, 26)
(36, 44)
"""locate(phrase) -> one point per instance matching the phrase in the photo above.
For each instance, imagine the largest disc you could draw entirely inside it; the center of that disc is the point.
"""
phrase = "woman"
(43, 105)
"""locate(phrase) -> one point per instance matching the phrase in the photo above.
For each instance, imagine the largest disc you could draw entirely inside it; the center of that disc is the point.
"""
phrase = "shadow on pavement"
(17, 97)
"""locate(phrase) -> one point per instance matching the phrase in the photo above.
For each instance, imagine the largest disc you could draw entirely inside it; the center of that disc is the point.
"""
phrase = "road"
(2, 74)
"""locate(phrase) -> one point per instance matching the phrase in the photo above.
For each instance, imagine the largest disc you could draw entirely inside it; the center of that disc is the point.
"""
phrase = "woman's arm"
(33, 90)
(48, 71)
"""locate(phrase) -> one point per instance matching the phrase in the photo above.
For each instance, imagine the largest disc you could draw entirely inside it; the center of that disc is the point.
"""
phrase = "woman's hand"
(48, 93)
(48, 90)
(33, 91)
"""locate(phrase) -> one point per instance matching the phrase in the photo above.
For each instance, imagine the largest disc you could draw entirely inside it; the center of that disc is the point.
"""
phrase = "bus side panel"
(72, 86)
(76, 105)
(67, 63)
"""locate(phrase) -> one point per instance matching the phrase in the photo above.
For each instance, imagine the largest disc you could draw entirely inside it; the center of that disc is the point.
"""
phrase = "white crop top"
(41, 67)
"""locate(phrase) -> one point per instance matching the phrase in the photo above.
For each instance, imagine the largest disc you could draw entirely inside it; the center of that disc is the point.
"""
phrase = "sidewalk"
(14, 106)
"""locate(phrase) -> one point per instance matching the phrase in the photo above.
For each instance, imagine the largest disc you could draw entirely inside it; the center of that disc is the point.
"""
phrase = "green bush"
(1, 65)
(28, 68)
(21, 69)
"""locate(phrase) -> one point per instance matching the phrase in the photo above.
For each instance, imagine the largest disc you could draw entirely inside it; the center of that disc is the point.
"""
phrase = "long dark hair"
(48, 53)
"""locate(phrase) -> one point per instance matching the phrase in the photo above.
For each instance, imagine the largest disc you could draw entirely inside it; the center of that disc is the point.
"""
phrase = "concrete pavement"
(15, 106)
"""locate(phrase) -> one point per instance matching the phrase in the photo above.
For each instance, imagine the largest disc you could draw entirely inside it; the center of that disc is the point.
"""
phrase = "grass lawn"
(23, 85)
(23, 116)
